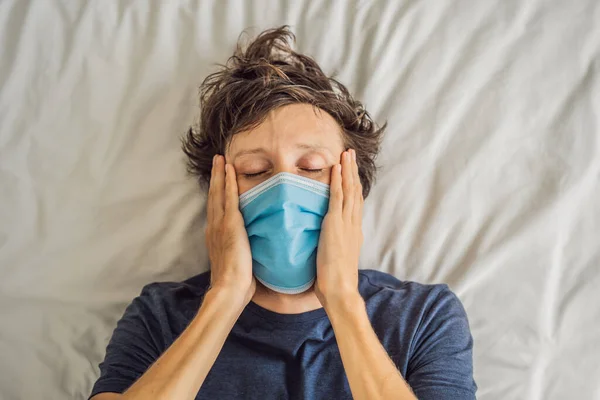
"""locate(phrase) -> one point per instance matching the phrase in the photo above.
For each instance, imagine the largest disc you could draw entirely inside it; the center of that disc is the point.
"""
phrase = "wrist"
(219, 311)
(343, 302)
(226, 298)
(233, 287)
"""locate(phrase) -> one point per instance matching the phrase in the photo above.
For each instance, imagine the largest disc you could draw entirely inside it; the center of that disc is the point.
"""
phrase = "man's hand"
(181, 370)
(371, 373)
(226, 237)
(341, 234)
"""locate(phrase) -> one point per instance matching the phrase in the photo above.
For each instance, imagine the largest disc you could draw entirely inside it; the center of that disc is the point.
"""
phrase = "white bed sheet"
(489, 181)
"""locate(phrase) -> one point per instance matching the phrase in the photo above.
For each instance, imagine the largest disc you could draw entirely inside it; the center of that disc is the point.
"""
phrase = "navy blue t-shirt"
(268, 355)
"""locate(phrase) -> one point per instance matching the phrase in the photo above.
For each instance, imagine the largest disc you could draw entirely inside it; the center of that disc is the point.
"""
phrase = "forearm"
(370, 371)
(182, 368)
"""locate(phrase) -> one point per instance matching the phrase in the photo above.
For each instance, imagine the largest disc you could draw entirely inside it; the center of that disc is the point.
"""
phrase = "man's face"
(294, 139)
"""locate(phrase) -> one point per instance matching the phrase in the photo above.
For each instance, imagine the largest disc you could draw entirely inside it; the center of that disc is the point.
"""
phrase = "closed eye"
(254, 174)
(308, 170)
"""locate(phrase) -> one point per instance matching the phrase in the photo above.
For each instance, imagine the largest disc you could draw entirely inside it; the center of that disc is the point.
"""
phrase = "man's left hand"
(341, 234)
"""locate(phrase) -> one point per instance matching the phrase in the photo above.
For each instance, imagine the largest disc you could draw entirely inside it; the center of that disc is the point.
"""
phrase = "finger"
(231, 190)
(358, 199)
(209, 202)
(218, 196)
(355, 169)
(336, 196)
(358, 206)
(347, 185)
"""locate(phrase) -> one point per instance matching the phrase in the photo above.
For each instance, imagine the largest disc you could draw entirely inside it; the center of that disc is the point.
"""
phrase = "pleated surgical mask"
(283, 217)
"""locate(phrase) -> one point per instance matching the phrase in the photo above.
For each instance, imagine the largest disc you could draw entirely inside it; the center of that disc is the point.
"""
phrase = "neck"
(286, 303)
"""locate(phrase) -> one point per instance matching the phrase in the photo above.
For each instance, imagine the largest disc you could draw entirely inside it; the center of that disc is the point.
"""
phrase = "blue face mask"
(283, 218)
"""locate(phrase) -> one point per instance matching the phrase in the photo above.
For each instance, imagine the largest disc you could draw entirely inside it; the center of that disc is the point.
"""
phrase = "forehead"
(290, 125)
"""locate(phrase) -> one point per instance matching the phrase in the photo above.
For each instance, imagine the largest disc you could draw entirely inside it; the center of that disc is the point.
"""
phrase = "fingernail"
(338, 167)
(226, 168)
(345, 156)
(353, 155)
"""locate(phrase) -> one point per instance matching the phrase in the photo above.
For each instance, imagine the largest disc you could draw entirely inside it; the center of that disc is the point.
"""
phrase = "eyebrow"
(250, 151)
(261, 150)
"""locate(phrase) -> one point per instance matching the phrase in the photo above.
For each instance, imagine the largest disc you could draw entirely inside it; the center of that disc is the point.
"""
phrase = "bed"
(489, 174)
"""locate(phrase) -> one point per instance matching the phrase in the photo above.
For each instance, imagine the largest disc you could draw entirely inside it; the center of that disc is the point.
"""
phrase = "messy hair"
(265, 75)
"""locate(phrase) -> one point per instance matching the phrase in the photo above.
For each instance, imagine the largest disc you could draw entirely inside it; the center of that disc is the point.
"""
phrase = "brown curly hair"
(261, 77)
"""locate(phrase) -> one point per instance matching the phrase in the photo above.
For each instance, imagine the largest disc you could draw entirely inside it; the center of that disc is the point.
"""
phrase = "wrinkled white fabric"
(489, 180)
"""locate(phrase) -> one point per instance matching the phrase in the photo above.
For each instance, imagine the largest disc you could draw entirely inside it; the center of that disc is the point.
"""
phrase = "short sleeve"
(441, 363)
(132, 348)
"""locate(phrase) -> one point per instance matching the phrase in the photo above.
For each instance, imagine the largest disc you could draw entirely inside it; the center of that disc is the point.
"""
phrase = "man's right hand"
(226, 236)
(181, 370)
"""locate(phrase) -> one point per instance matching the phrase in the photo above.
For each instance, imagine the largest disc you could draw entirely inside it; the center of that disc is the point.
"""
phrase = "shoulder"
(159, 292)
(381, 287)
(162, 302)
(149, 325)
(410, 309)
(426, 332)
(162, 310)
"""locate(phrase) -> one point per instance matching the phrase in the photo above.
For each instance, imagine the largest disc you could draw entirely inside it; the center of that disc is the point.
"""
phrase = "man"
(285, 313)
